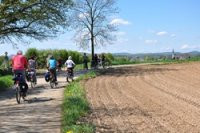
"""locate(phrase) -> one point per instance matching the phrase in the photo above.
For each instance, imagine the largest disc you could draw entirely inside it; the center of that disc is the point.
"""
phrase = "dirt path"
(152, 98)
(40, 114)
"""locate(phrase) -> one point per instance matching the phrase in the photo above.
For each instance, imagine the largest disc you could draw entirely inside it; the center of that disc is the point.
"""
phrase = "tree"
(32, 19)
(91, 21)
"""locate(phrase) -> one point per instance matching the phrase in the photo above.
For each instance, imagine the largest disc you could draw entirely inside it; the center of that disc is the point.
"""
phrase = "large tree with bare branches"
(36, 19)
(91, 19)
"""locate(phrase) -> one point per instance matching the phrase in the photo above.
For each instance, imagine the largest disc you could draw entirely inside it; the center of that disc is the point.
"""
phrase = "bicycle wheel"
(32, 84)
(18, 94)
(52, 84)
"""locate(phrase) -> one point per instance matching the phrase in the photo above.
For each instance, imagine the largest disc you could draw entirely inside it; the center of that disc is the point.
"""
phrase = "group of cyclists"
(21, 66)
(99, 60)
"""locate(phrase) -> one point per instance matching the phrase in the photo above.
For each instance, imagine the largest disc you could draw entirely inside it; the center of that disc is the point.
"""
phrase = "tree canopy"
(91, 19)
(35, 19)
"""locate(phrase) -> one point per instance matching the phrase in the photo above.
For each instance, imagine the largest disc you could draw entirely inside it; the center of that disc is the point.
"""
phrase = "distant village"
(160, 56)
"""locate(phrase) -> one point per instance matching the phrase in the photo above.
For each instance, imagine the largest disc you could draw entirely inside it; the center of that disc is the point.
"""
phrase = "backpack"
(47, 76)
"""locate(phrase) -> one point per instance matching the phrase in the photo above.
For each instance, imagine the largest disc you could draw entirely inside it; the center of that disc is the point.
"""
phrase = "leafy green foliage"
(5, 82)
(4, 72)
(35, 19)
(1, 60)
(58, 54)
(32, 52)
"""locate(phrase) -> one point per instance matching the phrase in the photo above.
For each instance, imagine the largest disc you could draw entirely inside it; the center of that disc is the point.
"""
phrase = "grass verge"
(5, 82)
(159, 62)
(75, 106)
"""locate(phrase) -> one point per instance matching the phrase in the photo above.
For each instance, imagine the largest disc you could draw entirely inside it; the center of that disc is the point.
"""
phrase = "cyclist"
(85, 61)
(103, 60)
(52, 64)
(32, 67)
(70, 65)
(96, 60)
(59, 64)
(19, 66)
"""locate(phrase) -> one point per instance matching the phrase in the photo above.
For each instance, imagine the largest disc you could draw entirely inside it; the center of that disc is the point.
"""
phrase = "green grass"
(5, 82)
(80, 66)
(166, 61)
(75, 106)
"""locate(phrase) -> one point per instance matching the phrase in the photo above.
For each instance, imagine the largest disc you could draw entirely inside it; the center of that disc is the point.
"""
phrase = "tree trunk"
(92, 46)
(92, 49)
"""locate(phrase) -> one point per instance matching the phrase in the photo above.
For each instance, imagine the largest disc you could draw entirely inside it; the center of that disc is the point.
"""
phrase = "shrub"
(5, 82)
(31, 52)
(58, 54)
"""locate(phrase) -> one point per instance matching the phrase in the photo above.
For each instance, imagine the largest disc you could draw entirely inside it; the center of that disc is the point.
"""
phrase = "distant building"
(173, 54)
(184, 56)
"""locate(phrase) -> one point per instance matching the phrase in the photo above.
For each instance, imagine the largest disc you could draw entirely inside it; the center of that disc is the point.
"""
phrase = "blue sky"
(144, 26)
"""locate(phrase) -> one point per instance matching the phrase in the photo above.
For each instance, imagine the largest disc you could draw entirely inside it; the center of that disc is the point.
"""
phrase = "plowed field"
(151, 98)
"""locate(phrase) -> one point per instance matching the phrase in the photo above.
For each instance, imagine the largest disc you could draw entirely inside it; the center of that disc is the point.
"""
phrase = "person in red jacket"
(19, 64)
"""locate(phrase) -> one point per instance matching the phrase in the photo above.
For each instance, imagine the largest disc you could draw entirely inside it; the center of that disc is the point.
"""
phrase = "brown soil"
(151, 98)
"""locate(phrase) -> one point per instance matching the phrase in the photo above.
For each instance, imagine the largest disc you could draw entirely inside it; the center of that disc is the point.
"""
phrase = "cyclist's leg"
(22, 72)
(35, 78)
(14, 76)
(24, 80)
(72, 71)
(55, 74)
(51, 73)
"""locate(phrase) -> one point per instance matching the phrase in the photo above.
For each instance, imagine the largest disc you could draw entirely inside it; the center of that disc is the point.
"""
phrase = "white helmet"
(69, 58)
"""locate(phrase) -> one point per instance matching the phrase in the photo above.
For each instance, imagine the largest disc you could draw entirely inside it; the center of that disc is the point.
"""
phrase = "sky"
(145, 26)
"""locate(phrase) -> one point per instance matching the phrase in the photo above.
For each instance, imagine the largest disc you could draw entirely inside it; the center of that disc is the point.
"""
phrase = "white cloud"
(185, 46)
(162, 33)
(119, 21)
(151, 41)
(190, 47)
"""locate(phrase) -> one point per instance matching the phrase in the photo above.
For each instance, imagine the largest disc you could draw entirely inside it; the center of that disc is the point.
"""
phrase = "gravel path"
(41, 113)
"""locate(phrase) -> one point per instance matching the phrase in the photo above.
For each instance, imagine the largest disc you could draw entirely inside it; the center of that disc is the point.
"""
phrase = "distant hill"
(156, 55)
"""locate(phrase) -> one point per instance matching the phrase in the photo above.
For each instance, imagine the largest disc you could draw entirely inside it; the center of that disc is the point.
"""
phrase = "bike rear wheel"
(52, 83)
(18, 94)
(32, 83)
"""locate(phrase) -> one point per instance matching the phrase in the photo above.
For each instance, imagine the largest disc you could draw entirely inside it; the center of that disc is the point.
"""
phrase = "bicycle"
(70, 75)
(20, 87)
(31, 77)
(52, 81)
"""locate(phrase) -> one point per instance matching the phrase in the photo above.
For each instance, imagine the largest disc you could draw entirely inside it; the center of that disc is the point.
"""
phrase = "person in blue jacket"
(52, 65)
